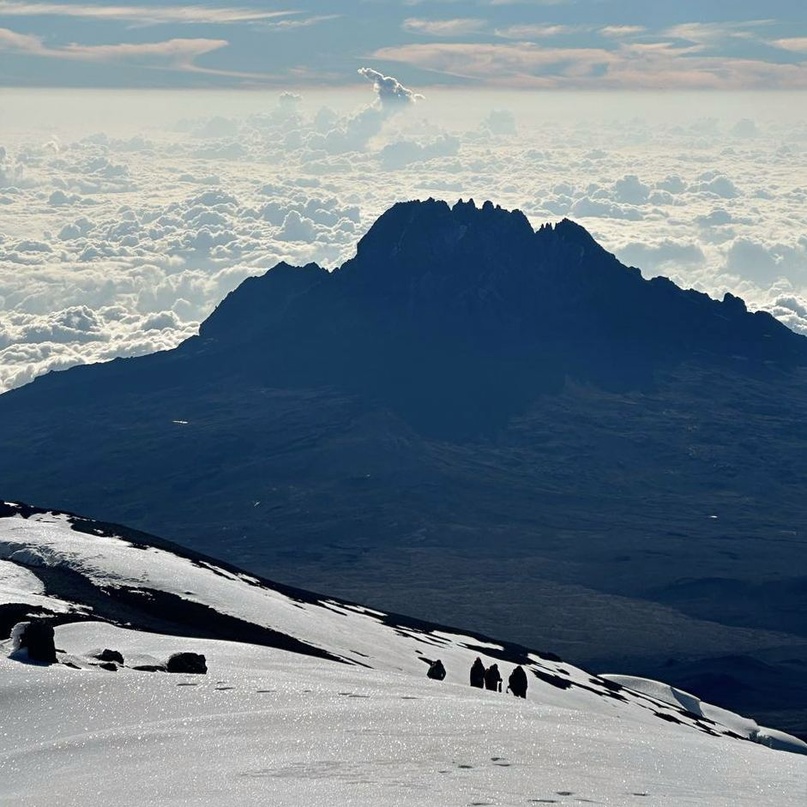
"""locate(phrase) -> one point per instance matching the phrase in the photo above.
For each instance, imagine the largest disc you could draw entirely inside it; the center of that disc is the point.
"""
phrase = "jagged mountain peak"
(418, 233)
(570, 232)
(422, 229)
(482, 276)
(437, 212)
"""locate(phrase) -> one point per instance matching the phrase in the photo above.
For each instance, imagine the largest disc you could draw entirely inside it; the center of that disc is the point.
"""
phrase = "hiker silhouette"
(517, 682)
(478, 674)
(493, 679)
(436, 670)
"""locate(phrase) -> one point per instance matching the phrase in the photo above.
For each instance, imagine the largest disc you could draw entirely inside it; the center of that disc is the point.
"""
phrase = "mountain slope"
(346, 716)
(507, 422)
(265, 725)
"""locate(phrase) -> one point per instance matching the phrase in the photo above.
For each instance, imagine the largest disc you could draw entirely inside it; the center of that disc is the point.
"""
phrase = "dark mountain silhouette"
(473, 421)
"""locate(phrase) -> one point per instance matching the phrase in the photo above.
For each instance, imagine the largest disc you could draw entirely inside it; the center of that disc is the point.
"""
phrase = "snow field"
(266, 726)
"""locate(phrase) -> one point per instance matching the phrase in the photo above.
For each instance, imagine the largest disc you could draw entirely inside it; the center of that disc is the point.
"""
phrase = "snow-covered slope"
(324, 703)
(744, 726)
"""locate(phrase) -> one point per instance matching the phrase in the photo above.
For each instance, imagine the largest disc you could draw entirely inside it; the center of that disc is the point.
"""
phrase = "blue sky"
(548, 44)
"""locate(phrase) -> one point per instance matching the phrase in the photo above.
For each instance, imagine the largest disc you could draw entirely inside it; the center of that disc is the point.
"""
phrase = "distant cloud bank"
(118, 239)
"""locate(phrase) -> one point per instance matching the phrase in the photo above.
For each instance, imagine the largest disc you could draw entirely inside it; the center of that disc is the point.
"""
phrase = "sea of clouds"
(125, 218)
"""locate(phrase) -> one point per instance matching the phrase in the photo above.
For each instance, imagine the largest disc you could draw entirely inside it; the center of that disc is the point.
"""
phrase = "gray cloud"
(765, 263)
(717, 185)
(499, 122)
(655, 258)
(406, 152)
(297, 228)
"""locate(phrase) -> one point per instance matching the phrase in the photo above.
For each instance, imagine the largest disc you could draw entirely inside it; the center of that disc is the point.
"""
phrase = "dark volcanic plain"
(478, 424)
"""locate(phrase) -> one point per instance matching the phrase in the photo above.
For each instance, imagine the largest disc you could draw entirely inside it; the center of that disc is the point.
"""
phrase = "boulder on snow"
(109, 655)
(37, 638)
(187, 663)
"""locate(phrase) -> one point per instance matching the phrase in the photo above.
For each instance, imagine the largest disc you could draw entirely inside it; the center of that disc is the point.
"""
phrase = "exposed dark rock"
(11, 613)
(110, 655)
(187, 663)
(37, 638)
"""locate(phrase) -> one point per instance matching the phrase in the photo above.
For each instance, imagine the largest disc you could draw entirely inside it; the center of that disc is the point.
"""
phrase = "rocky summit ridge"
(484, 276)
(457, 317)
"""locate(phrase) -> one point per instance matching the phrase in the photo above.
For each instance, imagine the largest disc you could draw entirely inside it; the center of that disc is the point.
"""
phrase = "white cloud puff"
(390, 91)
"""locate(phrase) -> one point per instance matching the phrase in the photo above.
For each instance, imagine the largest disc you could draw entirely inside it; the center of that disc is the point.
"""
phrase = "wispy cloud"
(11, 40)
(177, 53)
(536, 31)
(713, 33)
(523, 63)
(297, 22)
(461, 26)
(657, 65)
(173, 53)
(796, 44)
(492, 2)
(530, 2)
(618, 31)
(141, 14)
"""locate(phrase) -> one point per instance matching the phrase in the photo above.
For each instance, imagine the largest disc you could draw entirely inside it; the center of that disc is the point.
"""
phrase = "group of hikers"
(489, 678)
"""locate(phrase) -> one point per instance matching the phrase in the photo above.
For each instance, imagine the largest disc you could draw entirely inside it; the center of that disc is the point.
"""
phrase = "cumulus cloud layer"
(119, 239)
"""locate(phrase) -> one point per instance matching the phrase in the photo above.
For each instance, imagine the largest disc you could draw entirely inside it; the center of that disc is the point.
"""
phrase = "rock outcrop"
(36, 639)
(194, 663)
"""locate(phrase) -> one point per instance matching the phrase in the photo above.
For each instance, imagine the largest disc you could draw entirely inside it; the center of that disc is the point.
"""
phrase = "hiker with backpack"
(478, 674)
(517, 682)
(436, 670)
(493, 679)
